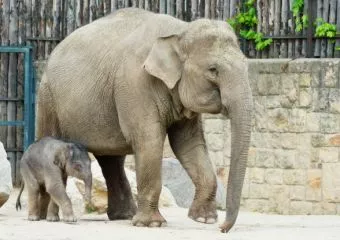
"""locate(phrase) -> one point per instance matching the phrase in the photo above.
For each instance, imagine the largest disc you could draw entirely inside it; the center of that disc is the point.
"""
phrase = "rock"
(180, 185)
(5, 176)
(99, 189)
(76, 197)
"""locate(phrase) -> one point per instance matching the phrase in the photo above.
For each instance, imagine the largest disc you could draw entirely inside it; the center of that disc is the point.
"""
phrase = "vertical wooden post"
(309, 44)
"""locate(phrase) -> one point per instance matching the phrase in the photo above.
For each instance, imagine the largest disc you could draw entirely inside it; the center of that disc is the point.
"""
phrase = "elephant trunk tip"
(226, 226)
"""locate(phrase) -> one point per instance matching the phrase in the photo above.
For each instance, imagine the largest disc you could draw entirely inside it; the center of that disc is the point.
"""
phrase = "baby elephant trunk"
(88, 188)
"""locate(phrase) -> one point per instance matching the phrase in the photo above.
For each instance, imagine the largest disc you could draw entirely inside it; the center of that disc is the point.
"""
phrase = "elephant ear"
(164, 61)
(63, 155)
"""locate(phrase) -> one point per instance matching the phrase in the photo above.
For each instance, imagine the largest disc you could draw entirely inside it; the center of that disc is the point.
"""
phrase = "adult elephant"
(122, 83)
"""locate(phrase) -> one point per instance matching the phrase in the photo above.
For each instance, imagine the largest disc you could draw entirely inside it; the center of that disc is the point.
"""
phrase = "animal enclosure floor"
(252, 226)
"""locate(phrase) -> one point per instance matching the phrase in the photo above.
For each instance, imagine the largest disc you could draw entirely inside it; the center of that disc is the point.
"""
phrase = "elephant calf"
(44, 167)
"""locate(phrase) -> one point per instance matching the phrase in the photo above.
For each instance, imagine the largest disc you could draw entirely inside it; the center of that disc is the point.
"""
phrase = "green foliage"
(244, 23)
(300, 21)
(325, 29)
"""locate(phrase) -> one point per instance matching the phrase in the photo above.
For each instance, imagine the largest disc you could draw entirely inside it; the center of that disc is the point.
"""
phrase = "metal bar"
(12, 123)
(27, 100)
(295, 37)
(14, 149)
(43, 39)
(9, 49)
(11, 99)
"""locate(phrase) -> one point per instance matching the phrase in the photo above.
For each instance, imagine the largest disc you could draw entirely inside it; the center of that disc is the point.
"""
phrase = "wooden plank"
(142, 4)
(49, 28)
(4, 68)
(12, 86)
(93, 10)
(179, 9)
(265, 24)
(284, 29)
(226, 9)
(207, 13)
(56, 19)
(271, 16)
(233, 4)
(325, 16)
(317, 52)
(291, 31)
(259, 24)
(213, 6)
(304, 31)
(337, 43)
(201, 9)
(277, 21)
(332, 20)
(194, 10)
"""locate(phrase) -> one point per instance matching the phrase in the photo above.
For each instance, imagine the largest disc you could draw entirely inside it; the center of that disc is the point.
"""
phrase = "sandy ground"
(13, 225)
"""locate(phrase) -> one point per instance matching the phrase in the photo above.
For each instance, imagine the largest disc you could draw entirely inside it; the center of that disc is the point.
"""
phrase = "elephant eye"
(213, 71)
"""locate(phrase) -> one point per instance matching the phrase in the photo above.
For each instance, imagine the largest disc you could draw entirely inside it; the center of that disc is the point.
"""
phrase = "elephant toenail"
(200, 219)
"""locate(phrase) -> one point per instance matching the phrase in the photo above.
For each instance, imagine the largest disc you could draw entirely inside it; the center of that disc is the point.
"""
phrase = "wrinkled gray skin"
(119, 85)
(44, 167)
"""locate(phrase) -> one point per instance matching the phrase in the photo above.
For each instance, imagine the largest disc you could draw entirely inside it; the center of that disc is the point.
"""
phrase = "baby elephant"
(44, 167)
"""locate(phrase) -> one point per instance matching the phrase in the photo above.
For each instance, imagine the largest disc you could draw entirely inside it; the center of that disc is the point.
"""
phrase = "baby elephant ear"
(163, 61)
(63, 155)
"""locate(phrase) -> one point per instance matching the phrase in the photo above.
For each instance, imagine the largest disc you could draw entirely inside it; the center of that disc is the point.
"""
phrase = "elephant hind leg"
(120, 201)
(44, 199)
(47, 119)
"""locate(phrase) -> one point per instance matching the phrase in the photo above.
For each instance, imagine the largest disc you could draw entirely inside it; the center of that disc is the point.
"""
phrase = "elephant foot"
(52, 218)
(121, 215)
(33, 218)
(204, 212)
(70, 218)
(148, 220)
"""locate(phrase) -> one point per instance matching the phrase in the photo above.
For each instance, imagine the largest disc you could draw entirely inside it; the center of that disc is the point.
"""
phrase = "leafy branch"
(245, 23)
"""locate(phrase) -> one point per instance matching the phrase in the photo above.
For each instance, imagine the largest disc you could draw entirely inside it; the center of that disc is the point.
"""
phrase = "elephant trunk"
(239, 110)
(88, 188)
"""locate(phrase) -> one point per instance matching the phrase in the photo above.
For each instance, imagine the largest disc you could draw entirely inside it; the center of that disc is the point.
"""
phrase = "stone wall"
(294, 159)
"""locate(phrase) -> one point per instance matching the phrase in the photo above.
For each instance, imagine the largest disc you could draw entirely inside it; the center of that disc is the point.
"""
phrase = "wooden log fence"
(44, 23)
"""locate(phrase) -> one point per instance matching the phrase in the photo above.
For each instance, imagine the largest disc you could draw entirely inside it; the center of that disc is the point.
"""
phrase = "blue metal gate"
(28, 121)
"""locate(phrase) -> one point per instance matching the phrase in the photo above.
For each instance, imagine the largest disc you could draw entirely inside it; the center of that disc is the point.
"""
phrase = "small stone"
(285, 159)
(334, 141)
(320, 99)
(329, 208)
(297, 120)
(330, 76)
(277, 120)
(317, 208)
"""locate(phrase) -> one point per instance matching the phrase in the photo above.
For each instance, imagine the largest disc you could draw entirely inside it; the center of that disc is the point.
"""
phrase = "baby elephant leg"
(52, 212)
(33, 207)
(58, 194)
(44, 200)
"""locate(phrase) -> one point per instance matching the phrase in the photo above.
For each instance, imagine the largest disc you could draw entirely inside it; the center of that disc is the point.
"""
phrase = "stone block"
(268, 84)
(313, 122)
(331, 182)
(257, 205)
(285, 159)
(295, 177)
(259, 191)
(279, 199)
(300, 208)
(213, 126)
(320, 99)
(256, 175)
(297, 120)
(334, 100)
(273, 102)
(265, 158)
(274, 176)
(217, 159)
(329, 123)
(305, 80)
(329, 154)
(329, 208)
(277, 120)
(251, 157)
(215, 141)
(317, 208)
(297, 193)
(330, 74)
(305, 97)
(260, 114)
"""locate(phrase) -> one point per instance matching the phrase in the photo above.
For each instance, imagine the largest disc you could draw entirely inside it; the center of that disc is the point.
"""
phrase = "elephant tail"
(18, 204)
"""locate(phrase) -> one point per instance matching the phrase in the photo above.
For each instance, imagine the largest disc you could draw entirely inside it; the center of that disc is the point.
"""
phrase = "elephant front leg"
(120, 201)
(148, 169)
(187, 142)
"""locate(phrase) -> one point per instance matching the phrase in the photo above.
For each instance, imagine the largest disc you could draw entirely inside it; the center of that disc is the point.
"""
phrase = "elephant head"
(206, 66)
